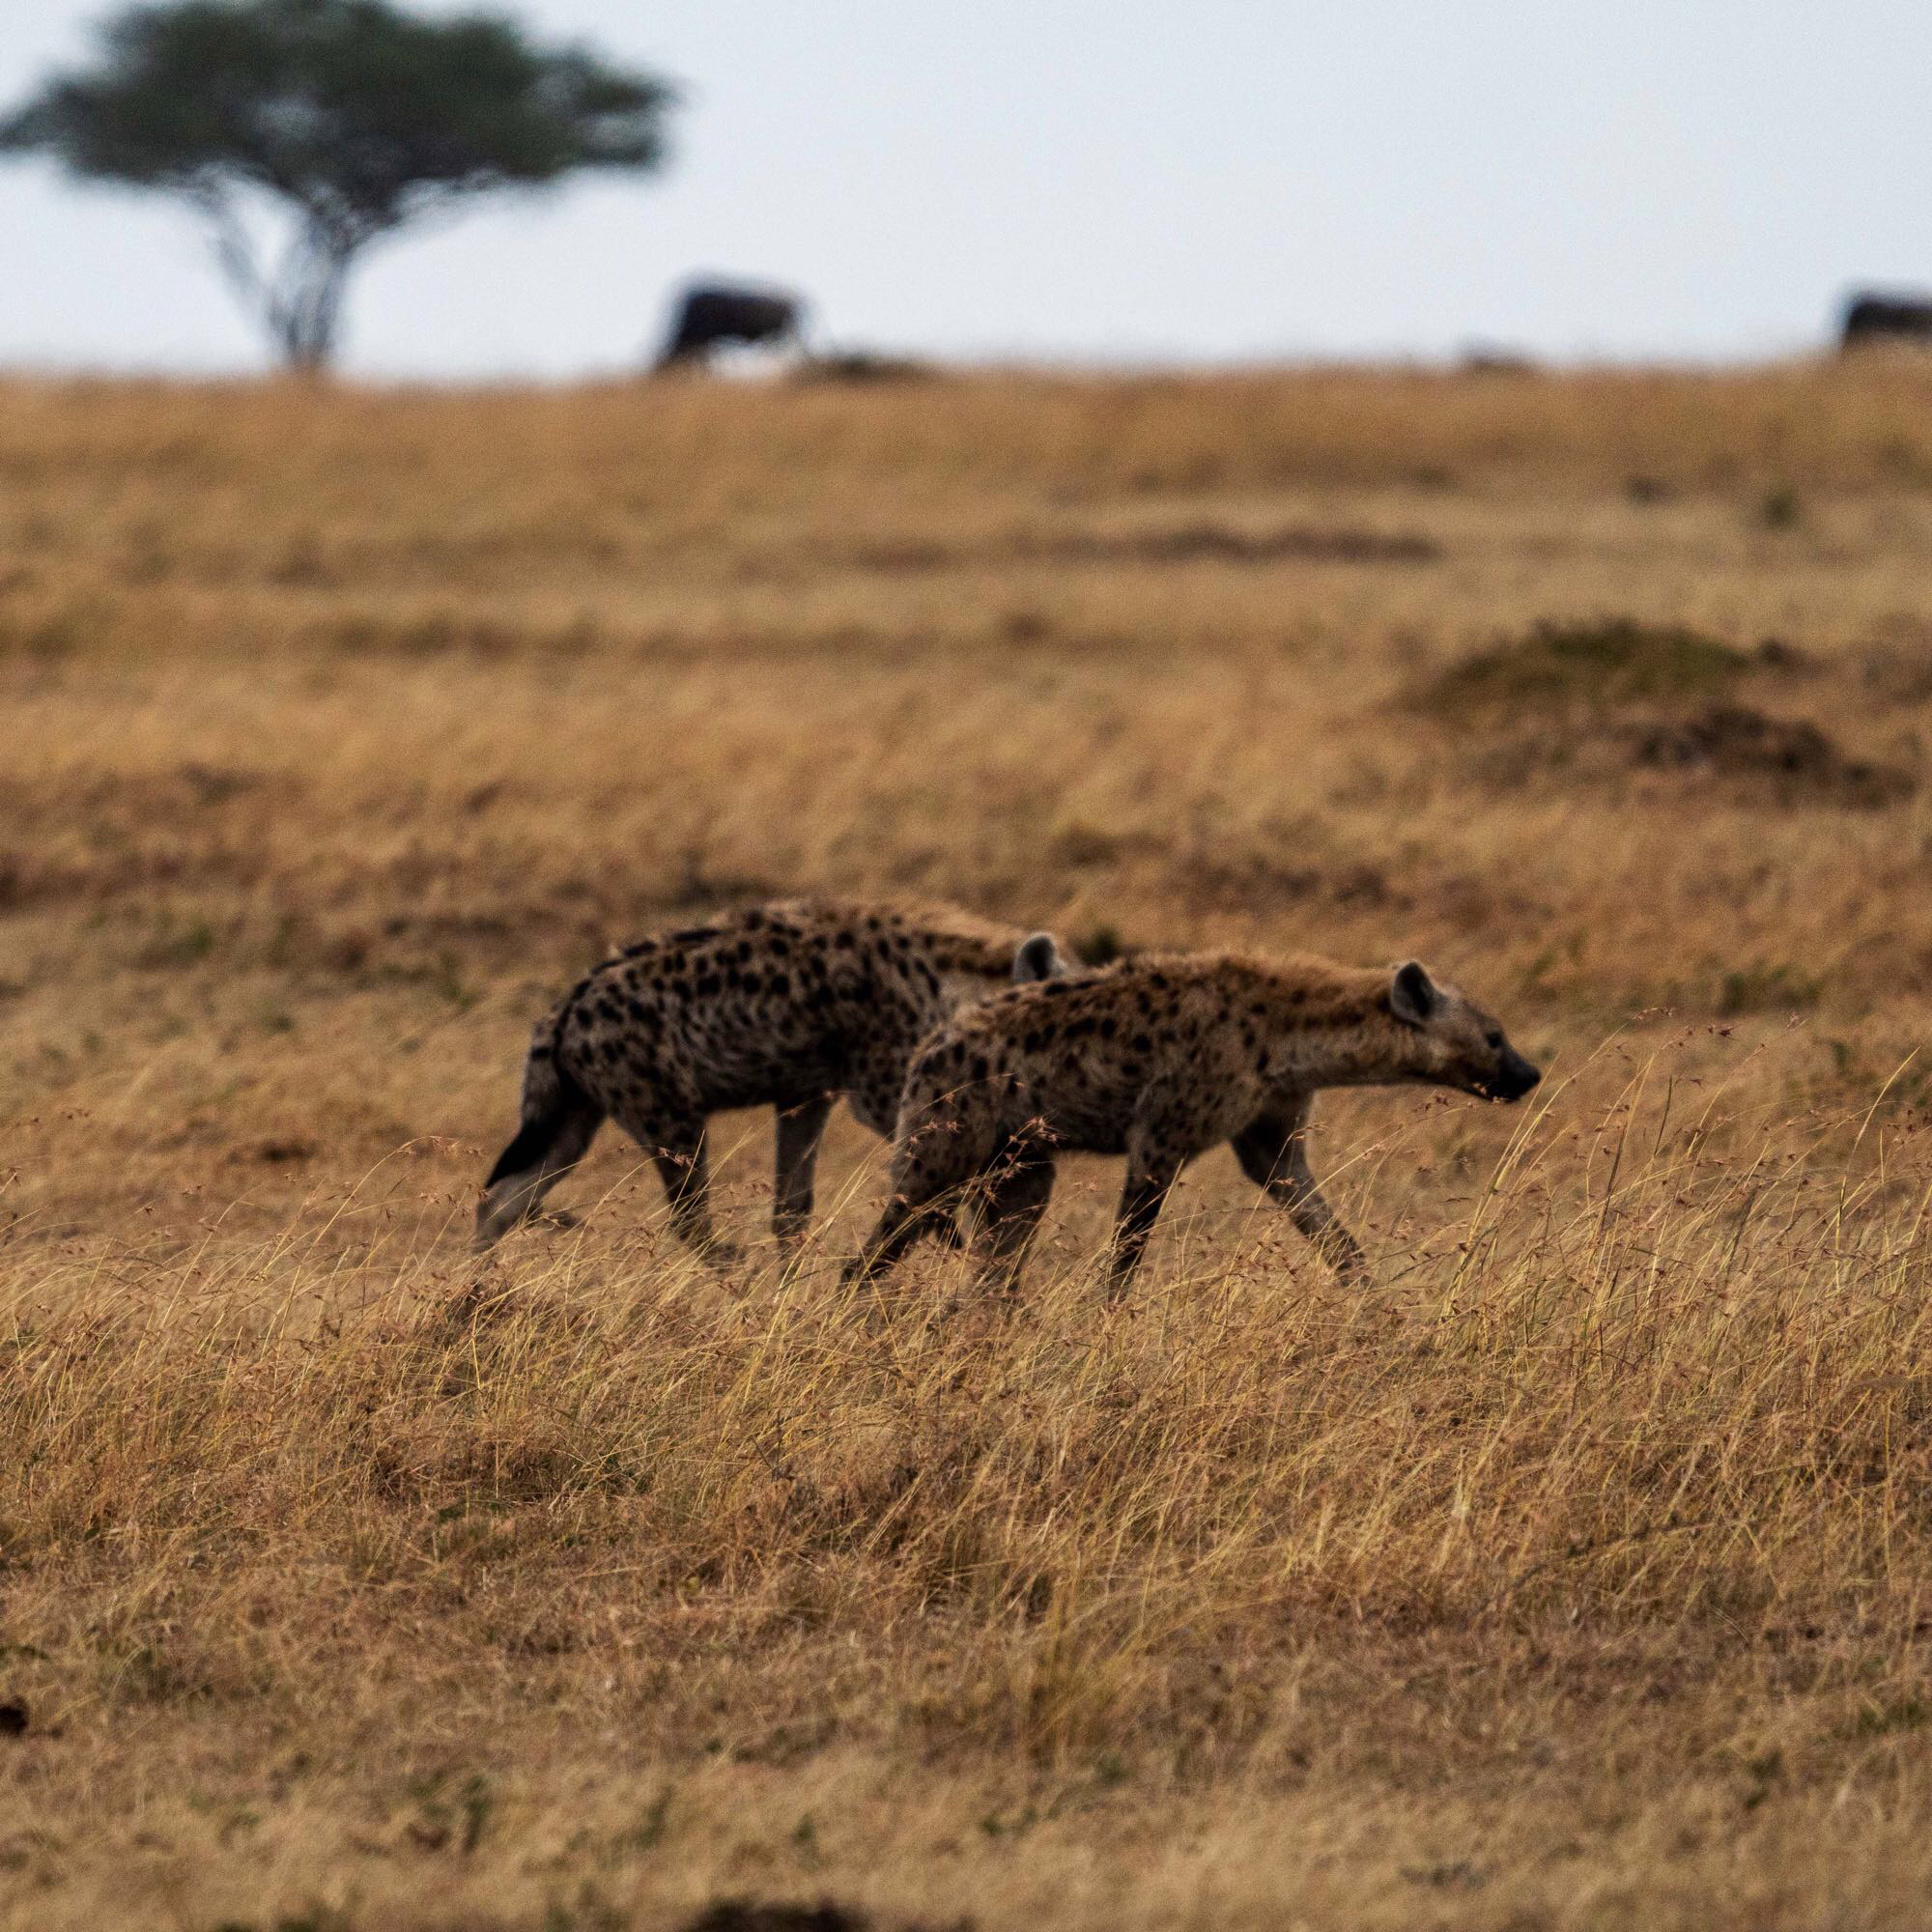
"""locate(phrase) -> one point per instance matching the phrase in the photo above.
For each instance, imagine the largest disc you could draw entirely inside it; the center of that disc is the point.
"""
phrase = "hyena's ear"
(1038, 959)
(1412, 995)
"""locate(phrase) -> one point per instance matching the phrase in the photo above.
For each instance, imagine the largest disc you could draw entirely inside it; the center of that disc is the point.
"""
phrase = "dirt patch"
(1174, 544)
(1619, 696)
(1897, 671)
(1598, 665)
(1735, 741)
(1218, 543)
(1726, 747)
(736, 1915)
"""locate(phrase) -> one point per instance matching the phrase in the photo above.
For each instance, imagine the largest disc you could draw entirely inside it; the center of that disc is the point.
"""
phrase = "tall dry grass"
(1572, 1575)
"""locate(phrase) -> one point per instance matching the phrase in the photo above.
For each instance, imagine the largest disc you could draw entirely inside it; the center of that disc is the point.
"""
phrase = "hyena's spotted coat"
(1159, 1060)
(787, 1006)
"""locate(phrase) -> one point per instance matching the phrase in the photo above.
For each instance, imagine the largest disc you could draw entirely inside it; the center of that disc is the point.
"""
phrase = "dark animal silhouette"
(1879, 318)
(711, 313)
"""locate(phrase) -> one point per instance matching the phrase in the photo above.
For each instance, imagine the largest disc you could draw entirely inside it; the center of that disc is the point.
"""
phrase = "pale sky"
(1114, 181)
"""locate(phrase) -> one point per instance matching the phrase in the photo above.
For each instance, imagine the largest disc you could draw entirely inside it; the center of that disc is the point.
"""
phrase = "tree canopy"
(354, 116)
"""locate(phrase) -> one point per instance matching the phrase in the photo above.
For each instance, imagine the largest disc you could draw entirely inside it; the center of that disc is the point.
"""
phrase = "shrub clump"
(1605, 662)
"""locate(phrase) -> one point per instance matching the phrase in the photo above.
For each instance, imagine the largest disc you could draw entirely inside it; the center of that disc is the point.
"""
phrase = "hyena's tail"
(559, 1121)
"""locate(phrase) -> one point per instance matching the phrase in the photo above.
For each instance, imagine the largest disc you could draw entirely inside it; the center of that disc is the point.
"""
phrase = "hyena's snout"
(1514, 1077)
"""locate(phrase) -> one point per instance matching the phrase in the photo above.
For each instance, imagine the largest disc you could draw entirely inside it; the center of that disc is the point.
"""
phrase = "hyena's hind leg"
(800, 1129)
(560, 1123)
(677, 1146)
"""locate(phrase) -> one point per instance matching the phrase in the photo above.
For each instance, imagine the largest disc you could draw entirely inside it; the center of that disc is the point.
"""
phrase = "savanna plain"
(1575, 1571)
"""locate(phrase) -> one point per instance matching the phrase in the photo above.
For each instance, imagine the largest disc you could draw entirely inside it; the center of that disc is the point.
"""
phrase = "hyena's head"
(1453, 1042)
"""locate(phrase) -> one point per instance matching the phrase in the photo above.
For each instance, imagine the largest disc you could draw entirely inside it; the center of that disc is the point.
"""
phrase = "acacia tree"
(349, 118)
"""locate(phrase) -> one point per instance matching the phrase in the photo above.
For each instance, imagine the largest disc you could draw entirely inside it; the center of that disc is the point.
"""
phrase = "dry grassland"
(1578, 1574)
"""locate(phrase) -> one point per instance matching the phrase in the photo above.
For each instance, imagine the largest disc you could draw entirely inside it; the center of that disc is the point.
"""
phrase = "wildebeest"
(712, 312)
(1872, 318)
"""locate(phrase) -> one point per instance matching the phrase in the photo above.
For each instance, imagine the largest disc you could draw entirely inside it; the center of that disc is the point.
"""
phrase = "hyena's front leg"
(932, 1160)
(1153, 1168)
(799, 1130)
(1008, 1217)
(1160, 1140)
(1141, 1202)
(902, 1224)
(1273, 1153)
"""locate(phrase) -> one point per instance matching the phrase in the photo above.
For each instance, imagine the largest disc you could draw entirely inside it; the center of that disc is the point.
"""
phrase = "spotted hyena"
(787, 1006)
(1159, 1060)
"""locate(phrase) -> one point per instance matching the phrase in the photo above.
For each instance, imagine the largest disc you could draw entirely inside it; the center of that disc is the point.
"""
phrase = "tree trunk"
(307, 310)
(301, 304)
